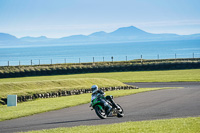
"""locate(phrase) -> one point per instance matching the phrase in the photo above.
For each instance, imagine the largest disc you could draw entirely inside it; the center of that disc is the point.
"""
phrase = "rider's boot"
(110, 111)
(113, 102)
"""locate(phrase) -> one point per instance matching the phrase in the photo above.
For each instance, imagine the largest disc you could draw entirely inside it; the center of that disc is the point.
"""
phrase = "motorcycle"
(102, 111)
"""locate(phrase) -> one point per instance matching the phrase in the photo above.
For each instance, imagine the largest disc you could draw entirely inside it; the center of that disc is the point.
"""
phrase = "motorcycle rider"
(95, 92)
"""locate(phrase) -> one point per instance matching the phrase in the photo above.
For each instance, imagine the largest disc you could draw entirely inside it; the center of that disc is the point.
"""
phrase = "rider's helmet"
(94, 89)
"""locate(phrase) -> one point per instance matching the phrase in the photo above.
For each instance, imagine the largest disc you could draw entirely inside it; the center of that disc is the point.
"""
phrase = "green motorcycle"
(102, 111)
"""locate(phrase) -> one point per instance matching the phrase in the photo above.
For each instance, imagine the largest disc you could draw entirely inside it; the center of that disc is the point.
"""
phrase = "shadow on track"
(71, 121)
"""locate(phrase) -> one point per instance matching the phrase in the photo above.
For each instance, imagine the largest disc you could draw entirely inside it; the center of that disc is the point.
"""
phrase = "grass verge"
(178, 125)
(42, 105)
(138, 76)
(32, 87)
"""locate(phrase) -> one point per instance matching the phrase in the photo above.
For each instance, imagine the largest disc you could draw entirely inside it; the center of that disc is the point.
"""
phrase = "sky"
(60, 18)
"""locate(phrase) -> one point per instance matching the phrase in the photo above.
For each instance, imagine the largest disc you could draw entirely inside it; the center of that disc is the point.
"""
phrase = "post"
(12, 100)
(112, 58)
(8, 63)
(93, 59)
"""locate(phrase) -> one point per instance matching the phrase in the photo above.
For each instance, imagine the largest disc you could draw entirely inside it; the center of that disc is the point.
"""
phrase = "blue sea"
(99, 52)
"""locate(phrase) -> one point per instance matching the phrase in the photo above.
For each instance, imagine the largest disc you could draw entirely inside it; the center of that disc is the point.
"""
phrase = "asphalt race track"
(161, 104)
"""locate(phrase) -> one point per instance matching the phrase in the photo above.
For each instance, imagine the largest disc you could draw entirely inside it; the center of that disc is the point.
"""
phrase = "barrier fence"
(93, 59)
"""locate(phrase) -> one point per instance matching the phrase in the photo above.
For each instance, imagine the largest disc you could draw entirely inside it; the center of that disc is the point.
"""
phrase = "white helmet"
(94, 88)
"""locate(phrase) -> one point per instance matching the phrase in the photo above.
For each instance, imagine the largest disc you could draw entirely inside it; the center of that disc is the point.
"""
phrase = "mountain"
(98, 34)
(123, 34)
(129, 31)
(7, 37)
(8, 40)
(75, 38)
(131, 34)
(34, 39)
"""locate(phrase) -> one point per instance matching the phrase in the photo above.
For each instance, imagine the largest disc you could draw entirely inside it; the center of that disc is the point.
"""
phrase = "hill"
(7, 37)
(123, 34)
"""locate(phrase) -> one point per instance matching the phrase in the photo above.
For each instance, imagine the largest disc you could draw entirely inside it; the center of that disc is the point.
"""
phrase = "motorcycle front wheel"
(100, 112)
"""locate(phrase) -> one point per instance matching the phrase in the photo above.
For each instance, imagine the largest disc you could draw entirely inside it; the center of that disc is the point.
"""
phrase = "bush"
(21, 71)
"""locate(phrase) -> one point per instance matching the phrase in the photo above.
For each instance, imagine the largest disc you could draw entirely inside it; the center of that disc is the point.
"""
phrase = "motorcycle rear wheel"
(121, 112)
(100, 112)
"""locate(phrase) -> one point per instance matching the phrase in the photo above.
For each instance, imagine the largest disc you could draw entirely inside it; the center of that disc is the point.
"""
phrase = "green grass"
(41, 86)
(177, 125)
(22, 68)
(42, 105)
(139, 76)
